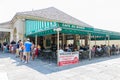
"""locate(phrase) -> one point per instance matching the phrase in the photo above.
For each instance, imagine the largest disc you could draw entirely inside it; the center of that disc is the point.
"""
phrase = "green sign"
(63, 25)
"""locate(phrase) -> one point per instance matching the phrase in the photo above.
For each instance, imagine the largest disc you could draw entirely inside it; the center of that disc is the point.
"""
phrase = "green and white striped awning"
(43, 28)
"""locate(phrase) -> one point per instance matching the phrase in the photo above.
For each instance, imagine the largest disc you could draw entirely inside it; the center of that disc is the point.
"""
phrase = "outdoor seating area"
(105, 51)
(100, 51)
(51, 53)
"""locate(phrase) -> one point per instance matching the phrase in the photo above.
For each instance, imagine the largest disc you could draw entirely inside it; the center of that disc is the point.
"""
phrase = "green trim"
(43, 33)
(34, 26)
(43, 28)
(81, 28)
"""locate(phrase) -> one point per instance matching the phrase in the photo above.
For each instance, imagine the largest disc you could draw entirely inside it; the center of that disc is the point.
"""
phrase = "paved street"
(106, 68)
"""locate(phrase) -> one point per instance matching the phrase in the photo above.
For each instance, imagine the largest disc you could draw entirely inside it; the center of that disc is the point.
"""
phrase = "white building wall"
(19, 25)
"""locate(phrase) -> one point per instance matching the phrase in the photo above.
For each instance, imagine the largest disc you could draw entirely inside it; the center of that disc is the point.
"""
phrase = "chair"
(113, 51)
(85, 54)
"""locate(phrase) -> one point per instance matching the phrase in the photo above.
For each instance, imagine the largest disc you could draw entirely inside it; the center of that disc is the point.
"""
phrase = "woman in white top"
(60, 50)
(99, 48)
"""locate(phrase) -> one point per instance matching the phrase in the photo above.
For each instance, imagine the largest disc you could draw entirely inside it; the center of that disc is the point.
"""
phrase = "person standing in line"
(13, 43)
(27, 45)
(36, 51)
(21, 49)
(33, 50)
(0, 46)
(17, 48)
(39, 50)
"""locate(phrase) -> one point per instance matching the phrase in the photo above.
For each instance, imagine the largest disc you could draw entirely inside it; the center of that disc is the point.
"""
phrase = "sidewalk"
(105, 68)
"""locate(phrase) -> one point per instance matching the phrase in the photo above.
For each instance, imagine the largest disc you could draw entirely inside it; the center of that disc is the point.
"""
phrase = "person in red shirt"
(36, 52)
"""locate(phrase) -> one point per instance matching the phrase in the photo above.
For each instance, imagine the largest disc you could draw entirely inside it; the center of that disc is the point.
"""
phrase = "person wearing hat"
(27, 46)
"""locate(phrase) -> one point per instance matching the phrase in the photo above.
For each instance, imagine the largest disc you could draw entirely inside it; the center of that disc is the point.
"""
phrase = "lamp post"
(58, 30)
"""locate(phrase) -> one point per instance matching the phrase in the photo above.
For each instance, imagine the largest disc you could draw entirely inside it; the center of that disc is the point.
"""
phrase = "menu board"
(68, 58)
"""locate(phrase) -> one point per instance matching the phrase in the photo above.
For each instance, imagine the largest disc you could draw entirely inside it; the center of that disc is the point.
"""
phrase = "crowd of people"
(96, 50)
(72, 48)
(27, 49)
(104, 49)
(22, 50)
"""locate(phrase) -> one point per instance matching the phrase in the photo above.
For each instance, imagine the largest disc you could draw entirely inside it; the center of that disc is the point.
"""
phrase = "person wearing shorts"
(17, 49)
(27, 46)
(21, 49)
(17, 52)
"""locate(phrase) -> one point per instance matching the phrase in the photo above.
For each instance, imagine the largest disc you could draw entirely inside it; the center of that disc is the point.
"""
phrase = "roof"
(5, 25)
(54, 14)
(8, 22)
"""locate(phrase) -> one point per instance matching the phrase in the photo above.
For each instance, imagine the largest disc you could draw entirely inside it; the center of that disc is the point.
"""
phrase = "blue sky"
(103, 14)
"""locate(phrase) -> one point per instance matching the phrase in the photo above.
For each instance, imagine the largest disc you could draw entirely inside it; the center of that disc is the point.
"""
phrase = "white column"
(89, 46)
(17, 37)
(11, 36)
(57, 47)
(81, 41)
(63, 40)
(105, 41)
(35, 39)
(95, 39)
(108, 40)
(78, 41)
(57, 40)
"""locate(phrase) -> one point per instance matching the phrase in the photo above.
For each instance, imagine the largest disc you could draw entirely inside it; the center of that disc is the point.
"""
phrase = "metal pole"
(89, 46)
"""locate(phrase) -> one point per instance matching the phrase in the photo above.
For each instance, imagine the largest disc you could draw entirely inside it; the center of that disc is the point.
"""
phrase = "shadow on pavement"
(46, 67)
